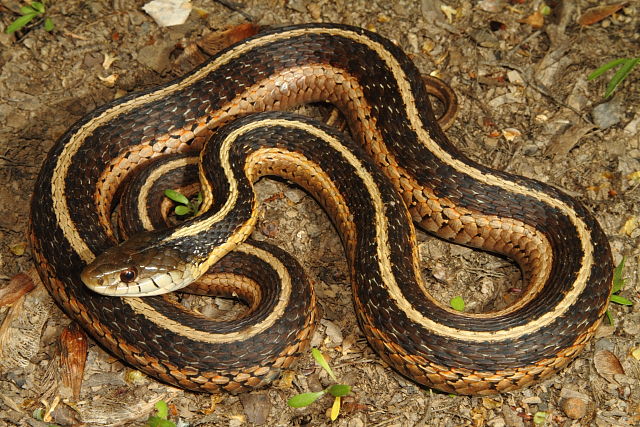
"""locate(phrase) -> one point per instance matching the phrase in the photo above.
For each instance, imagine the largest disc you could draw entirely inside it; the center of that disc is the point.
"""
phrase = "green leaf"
(182, 210)
(19, 23)
(155, 421)
(620, 300)
(304, 399)
(38, 6)
(195, 205)
(48, 24)
(176, 197)
(618, 280)
(338, 390)
(609, 317)
(162, 408)
(25, 10)
(335, 408)
(457, 303)
(604, 68)
(539, 417)
(38, 414)
(620, 75)
(317, 354)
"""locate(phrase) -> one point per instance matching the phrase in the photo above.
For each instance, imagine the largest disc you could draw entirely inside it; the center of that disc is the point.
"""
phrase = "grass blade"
(620, 300)
(604, 68)
(620, 75)
(317, 354)
(618, 280)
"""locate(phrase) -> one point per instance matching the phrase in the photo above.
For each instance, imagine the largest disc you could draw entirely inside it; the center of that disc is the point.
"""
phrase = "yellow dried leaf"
(449, 12)
(634, 176)
(536, 20)
(635, 352)
(511, 133)
(335, 409)
(286, 379)
(629, 225)
(18, 249)
(108, 60)
(109, 81)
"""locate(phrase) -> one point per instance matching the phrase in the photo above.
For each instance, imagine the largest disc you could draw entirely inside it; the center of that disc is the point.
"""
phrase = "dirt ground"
(525, 107)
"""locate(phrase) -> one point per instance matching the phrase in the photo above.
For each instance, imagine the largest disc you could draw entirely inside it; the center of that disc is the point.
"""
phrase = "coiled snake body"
(563, 253)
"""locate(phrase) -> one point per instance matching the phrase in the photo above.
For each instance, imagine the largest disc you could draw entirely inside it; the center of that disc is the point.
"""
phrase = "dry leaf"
(629, 225)
(73, 355)
(19, 285)
(607, 363)
(449, 12)
(108, 60)
(569, 139)
(598, 13)
(536, 20)
(109, 81)
(635, 176)
(511, 133)
(18, 249)
(214, 42)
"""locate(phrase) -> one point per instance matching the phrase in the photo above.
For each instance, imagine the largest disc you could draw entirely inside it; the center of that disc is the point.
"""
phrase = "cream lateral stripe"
(58, 185)
(142, 308)
(151, 180)
(423, 135)
(384, 252)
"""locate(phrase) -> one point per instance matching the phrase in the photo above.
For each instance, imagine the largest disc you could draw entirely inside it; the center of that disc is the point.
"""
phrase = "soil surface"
(526, 107)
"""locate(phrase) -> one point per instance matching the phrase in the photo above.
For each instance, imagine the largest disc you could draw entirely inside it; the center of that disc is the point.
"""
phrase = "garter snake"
(562, 251)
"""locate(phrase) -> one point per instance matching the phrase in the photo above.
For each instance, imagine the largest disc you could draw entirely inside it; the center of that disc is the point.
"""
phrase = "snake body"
(561, 249)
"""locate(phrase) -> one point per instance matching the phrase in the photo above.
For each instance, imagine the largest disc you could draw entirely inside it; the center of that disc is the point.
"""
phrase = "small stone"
(297, 5)
(608, 114)
(574, 407)
(314, 10)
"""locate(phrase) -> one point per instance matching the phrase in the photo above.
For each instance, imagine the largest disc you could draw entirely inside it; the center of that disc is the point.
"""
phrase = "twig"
(236, 7)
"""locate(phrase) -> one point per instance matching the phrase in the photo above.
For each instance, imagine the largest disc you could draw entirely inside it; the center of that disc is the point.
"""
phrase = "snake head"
(136, 268)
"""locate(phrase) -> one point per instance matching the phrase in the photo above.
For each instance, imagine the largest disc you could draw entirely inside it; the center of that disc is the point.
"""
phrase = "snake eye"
(128, 275)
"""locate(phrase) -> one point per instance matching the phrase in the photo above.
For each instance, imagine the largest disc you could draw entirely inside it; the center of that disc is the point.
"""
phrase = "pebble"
(573, 407)
(608, 114)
